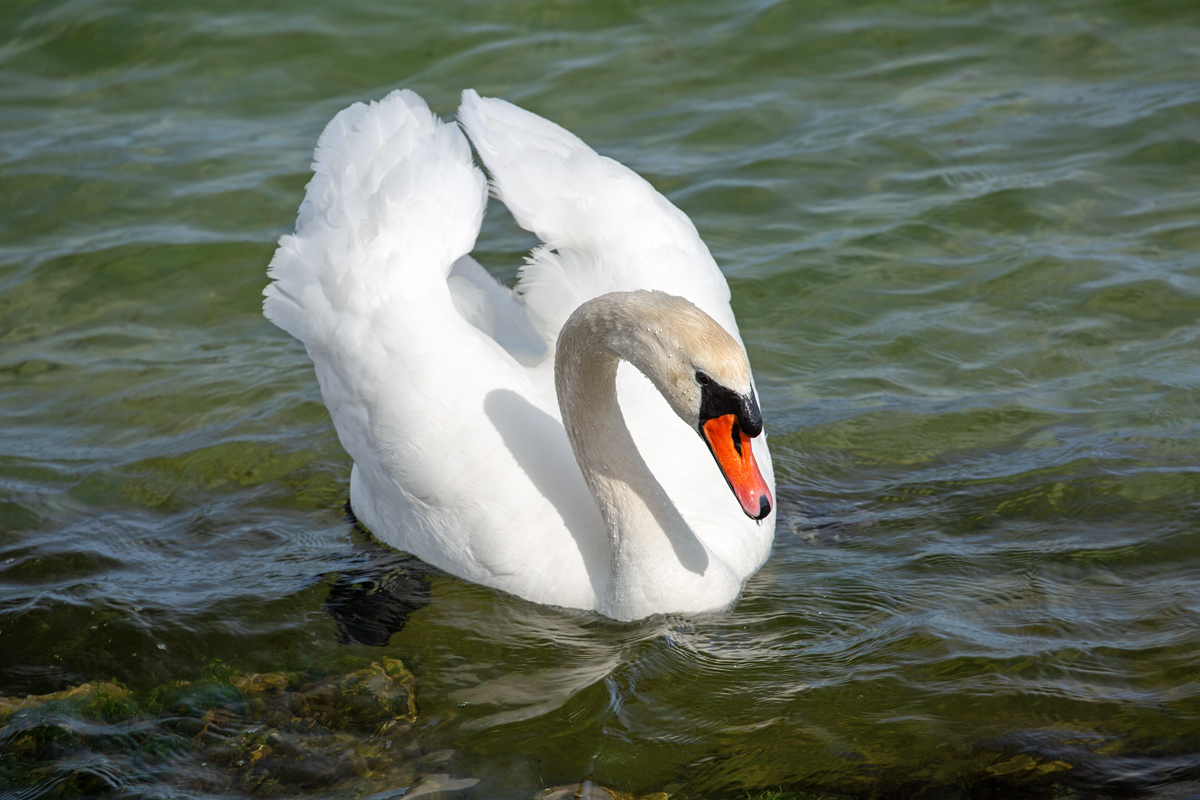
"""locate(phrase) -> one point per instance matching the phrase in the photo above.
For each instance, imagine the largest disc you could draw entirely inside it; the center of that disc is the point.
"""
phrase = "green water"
(962, 240)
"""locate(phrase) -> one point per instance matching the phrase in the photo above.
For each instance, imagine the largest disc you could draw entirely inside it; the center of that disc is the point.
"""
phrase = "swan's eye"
(703, 379)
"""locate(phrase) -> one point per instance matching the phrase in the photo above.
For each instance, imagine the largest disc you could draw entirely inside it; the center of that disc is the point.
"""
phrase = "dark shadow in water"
(373, 601)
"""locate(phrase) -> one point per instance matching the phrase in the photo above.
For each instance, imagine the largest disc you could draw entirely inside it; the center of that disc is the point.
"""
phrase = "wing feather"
(458, 457)
(394, 201)
(605, 228)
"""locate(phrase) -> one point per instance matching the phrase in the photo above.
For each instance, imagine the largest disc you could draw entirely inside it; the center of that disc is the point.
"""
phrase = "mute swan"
(445, 387)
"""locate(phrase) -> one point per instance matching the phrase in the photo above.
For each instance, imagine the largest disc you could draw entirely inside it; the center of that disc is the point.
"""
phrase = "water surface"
(962, 241)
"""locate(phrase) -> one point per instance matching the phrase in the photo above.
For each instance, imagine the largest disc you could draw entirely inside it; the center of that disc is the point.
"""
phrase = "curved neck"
(650, 543)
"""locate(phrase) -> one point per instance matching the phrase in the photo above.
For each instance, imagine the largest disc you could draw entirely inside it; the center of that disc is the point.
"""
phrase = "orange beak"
(731, 448)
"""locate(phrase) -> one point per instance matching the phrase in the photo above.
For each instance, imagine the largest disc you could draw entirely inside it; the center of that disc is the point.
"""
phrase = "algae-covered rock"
(590, 790)
(314, 734)
(271, 684)
(39, 730)
(266, 734)
(381, 697)
(94, 699)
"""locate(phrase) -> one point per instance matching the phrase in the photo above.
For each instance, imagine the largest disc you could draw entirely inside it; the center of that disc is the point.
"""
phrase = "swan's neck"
(654, 553)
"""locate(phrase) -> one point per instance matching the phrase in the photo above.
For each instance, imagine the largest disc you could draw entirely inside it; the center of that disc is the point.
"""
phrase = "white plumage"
(440, 381)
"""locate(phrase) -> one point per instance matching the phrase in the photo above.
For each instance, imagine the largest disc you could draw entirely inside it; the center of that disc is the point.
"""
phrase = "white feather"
(440, 381)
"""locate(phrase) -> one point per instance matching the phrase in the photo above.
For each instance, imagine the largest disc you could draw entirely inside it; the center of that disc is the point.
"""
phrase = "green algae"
(264, 734)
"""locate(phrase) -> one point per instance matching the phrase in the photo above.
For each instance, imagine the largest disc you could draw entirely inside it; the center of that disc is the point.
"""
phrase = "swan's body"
(441, 382)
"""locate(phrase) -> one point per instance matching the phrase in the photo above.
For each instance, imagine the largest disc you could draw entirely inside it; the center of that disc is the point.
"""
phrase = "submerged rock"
(95, 698)
(378, 699)
(265, 734)
(590, 790)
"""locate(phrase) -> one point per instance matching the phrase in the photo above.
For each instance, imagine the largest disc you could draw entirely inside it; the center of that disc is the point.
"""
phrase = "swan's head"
(702, 372)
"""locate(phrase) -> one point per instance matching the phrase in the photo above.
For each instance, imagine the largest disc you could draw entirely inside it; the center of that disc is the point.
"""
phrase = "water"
(961, 239)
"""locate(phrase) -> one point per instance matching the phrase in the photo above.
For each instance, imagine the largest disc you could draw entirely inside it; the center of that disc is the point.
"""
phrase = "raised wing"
(436, 413)
(605, 228)
(394, 201)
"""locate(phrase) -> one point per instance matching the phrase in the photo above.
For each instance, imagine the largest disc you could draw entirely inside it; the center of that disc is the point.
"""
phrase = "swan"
(527, 440)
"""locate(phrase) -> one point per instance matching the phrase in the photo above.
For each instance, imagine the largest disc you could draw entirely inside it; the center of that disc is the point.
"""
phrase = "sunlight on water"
(961, 239)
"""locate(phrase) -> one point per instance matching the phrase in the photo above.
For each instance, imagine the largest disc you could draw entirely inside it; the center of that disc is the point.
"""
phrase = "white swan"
(442, 383)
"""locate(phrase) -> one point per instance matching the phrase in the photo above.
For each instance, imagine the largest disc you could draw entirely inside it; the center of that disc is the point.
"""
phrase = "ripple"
(961, 243)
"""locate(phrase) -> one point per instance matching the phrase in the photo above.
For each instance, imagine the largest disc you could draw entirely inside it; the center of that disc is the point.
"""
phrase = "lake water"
(962, 240)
